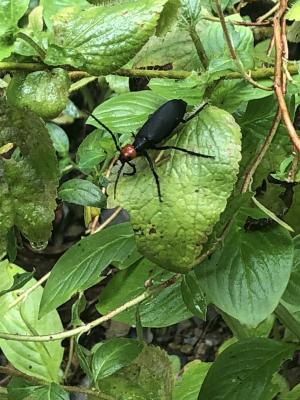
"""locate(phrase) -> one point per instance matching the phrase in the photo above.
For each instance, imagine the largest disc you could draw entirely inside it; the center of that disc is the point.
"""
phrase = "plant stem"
(24, 295)
(279, 82)
(259, 73)
(233, 53)
(199, 47)
(41, 52)
(262, 152)
(72, 389)
(87, 327)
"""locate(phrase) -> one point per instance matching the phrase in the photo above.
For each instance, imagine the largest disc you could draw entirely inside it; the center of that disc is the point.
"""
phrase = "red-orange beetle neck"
(128, 153)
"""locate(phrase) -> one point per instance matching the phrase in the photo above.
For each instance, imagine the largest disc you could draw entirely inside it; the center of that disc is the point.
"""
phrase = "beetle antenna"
(117, 179)
(108, 130)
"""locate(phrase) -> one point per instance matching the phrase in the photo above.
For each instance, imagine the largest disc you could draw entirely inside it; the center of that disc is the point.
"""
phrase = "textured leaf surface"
(194, 191)
(247, 276)
(102, 39)
(41, 360)
(53, 7)
(28, 185)
(164, 309)
(80, 267)
(245, 370)
(113, 355)
(188, 385)
(45, 93)
(148, 377)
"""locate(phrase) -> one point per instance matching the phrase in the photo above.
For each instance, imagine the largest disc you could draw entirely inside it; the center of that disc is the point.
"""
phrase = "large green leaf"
(148, 377)
(245, 370)
(80, 267)
(189, 383)
(101, 39)
(10, 13)
(28, 184)
(41, 360)
(216, 47)
(113, 355)
(117, 113)
(290, 298)
(19, 389)
(165, 308)
(247, 276)
(175, 48)
(194, 191)
(50, 8)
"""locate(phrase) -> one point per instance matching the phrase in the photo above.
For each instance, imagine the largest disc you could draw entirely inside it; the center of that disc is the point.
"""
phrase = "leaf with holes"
(194, 190)
(28, 182)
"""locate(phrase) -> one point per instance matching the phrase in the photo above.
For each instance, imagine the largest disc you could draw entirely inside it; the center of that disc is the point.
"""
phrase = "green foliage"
(10, 13)
(20, 389)
(248, 273)
(188, 385)
(82, 192)
(166, 308)
(78, 38)
(28, 184)
(148, 377)
(114, 354)
(249, 364)
(41, 360)
(294, 12)
(80, 266)
(191, 186)
(45, 93)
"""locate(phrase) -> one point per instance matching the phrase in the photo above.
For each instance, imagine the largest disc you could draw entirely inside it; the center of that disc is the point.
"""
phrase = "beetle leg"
(148, 158)
(192, 153)
(133, 172)
(193, 114)
(117, 179)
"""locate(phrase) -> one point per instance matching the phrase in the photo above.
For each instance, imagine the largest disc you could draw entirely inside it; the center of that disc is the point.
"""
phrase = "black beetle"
(157, 128)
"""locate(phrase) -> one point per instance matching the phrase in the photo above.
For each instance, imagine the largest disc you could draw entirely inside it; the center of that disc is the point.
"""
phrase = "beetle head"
(127, 153)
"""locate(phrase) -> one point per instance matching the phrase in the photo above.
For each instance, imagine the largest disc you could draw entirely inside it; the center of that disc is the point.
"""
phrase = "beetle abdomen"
(160, 124)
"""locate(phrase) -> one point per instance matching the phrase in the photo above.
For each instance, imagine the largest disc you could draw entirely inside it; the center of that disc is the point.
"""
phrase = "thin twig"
(70, 359)
(261, 153)
(233, 53)
(268, 13)
(241, 23)
(199, 47)
(259, 73)
(27, 292)
(294, 167)
(87, 327)
(72, 389)
(108, 220)
(278, 81)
